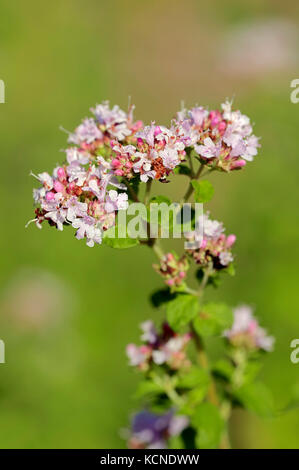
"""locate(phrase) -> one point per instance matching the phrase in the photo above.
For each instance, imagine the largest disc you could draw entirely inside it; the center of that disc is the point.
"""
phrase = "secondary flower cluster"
(106, 126)
(166, 348)
(246, 332)
(211, 246)
(222, 139)
(151, 431)
(172, 269)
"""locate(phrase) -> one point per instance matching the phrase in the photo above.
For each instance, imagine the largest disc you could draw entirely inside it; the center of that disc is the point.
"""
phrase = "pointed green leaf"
(147, 388)
(182, 169)
(209, 426)
(111, 239)
(223, 368)
(162, 296)
(213, 318)
(193, 377)
(203, 190)
(181, 311)
(256, 397)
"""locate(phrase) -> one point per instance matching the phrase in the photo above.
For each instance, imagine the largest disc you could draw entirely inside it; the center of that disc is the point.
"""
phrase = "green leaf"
(162, 296)
(120, 243)
(147, 388)
(160, 200)
(197, 381)
(203, 190)
(209, 426)
(251, 370)
(223, 368)
(181, 310)
(293, 403)
(214, 277)
(182, 170)
(193, 377)
(213, 319)
(256, 397)
(196, 396)
(230, 269)
(176, 442)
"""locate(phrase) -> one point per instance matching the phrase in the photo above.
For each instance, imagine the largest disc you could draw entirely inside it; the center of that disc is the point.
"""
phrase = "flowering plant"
(187, 399)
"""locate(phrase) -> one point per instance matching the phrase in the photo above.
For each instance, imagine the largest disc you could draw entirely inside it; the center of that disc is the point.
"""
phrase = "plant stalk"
(191, 189)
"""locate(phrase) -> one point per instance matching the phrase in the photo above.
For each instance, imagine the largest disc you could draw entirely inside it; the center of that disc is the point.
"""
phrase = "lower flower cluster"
(172, 269)
(213, 248)
(152, 430)
(164, 348)
(246, 332)
(175, 384)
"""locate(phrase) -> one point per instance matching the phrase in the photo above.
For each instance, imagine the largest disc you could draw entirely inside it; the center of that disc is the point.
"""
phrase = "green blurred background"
(67, 311)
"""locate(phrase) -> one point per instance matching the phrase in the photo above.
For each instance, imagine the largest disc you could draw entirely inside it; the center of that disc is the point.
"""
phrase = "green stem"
(131, 191)
(203, 361)
(212, 395)
(191, 189)
(147, 191)
(166, 385)
(207, 272)
(190, 164)
(157, 248)
(201, 353)
(191, 291)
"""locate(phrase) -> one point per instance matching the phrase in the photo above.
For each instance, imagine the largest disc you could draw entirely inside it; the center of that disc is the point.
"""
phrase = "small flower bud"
(230, 240)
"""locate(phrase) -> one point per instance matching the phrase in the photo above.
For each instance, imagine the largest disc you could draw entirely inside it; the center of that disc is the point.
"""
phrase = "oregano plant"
(186, 398)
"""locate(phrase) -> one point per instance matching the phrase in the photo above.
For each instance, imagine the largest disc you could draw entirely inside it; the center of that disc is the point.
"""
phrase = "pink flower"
(75, 208)
(223, 137)
(209, 149)
(86, 132)
(172, 269)
(116, 201)
(214, 248)
(165, 347)
(246, 331)
(113, 121)
(87, 228)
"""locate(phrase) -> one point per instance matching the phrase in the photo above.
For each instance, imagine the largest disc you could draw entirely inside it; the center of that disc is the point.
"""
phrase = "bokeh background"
(67, 311)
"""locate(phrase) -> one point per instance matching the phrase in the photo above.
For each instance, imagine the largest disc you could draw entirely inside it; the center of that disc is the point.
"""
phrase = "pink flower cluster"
(214, 247)
(222, 139)
(78, 194)
(173, 270)
(83, 191)
(246, 332)
(157, 152)
(106, 126)
(110, 149)
(166, 348)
